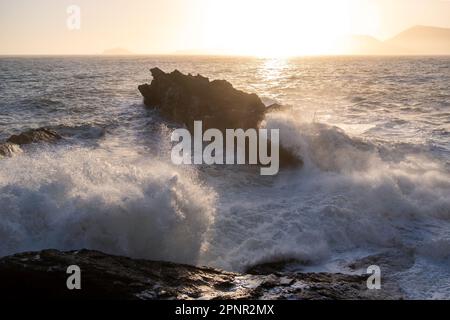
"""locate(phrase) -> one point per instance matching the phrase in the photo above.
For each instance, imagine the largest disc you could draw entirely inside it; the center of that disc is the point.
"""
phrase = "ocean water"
(374, 134)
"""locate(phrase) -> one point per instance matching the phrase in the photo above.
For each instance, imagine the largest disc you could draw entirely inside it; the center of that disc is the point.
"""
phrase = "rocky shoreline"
(43, 275)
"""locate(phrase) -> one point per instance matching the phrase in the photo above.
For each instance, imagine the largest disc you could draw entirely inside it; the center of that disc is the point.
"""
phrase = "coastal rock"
(42, 275)
(12, 146)
(34, 135)
(8, 149)
(186, 98)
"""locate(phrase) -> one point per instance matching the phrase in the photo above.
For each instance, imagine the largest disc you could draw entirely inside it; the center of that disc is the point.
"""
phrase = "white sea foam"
(410, 185)
(349, 200)
(118, 203)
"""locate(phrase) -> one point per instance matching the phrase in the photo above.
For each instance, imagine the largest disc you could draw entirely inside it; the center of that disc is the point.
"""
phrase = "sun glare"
(276, 28)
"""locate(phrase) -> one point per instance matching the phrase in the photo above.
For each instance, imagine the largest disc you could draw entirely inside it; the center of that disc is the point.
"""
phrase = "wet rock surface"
(8, 149)
(33, 136)
(13, 144)
(42, 275)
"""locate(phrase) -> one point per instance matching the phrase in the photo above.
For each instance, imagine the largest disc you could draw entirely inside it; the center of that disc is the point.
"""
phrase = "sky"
(245, 27)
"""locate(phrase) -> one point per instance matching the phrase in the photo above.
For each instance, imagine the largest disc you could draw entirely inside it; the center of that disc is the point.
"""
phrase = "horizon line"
(215, 55)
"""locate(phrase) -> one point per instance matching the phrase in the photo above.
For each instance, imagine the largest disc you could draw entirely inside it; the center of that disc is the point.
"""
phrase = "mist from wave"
(350, 194)
(121, 203)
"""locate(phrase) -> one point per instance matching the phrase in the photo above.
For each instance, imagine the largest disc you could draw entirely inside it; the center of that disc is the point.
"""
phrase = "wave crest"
(82, 198)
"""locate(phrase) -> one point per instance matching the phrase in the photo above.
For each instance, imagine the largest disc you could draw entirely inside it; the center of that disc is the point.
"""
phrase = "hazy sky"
(229, 26)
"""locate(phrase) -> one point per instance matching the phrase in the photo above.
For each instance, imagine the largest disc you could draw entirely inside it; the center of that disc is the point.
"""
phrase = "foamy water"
(373, 133)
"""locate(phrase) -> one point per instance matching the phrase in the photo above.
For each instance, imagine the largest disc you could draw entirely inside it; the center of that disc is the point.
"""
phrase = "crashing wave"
(82, 198)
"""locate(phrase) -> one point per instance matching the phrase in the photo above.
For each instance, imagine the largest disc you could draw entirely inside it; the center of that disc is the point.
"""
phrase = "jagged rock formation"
(34, 135)
(13, 144)
(42, 275)
(187, 98)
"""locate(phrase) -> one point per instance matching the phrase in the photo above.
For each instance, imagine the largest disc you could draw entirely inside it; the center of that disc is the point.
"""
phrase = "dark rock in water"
(35, 135)
(186, 98)
(43, 275)
(13, 145)
(8, 149)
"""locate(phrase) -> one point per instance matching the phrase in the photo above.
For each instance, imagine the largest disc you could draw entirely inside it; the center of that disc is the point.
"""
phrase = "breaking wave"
(124, 204)
(352, 198)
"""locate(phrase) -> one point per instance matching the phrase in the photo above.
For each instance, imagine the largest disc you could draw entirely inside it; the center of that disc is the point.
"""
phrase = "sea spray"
(351, 198)
(82, 198)
(239, 145)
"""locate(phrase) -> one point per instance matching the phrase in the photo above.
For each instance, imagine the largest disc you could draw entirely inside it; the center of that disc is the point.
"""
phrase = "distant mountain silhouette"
(416, 40)
(117, 52)
(422, 40)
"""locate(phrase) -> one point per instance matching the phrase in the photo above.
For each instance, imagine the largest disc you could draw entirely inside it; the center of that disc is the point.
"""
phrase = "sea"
(373, 133)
